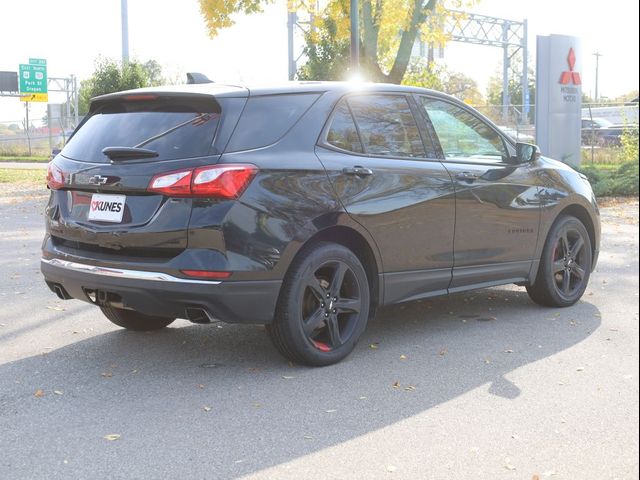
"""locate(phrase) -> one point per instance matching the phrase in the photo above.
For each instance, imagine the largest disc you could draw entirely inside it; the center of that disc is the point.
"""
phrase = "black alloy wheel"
(330, 305)
(323, 306)
(569, 259)
(565, 265)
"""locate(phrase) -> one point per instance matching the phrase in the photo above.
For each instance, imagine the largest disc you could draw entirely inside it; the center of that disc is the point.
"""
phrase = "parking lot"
(478, 385)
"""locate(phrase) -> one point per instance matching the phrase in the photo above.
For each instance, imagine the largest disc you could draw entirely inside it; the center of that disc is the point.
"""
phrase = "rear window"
(175, 128)
(267, 118)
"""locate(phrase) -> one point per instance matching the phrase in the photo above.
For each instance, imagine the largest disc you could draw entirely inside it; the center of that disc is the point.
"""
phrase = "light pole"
(124, 13)
(355, 37)
(597, 55)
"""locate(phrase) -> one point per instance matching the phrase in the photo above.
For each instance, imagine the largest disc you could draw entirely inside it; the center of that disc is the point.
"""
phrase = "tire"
(323, 306)
(132, 320)
(565, 265)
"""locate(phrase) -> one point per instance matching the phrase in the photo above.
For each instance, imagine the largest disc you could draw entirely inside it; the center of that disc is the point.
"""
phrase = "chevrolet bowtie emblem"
(98, 180)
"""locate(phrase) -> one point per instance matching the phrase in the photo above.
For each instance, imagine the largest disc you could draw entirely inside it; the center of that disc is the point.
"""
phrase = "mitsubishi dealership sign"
(559, 97)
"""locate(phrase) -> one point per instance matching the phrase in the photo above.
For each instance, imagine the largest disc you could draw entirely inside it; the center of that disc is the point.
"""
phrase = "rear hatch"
(101, 202)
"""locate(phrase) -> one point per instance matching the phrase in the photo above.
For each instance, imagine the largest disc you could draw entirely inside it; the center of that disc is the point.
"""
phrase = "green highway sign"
(32, 79)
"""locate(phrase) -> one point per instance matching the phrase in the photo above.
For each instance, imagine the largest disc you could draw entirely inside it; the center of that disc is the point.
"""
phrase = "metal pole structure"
(75, 100)
(67, 113)
(26, 127)
(505, 75)
(525, 75)
(124, 12)
(355, 37)
(597, 55)
(291, 24)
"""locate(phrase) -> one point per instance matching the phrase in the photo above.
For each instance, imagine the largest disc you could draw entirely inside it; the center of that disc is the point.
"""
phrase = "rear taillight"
(216, 181)
(176, 184)
(55, 177)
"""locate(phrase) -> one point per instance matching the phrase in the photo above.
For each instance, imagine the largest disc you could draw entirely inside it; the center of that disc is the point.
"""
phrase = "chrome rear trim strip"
(122, 273)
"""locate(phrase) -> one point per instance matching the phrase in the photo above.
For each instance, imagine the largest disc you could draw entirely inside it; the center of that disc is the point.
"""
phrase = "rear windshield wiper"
(128, 153)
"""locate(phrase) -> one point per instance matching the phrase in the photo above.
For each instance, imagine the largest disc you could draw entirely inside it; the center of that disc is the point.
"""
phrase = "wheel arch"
(361, 247)
(582, 214)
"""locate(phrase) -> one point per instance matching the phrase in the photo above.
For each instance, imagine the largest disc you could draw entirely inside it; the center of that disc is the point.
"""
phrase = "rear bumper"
(158, 293)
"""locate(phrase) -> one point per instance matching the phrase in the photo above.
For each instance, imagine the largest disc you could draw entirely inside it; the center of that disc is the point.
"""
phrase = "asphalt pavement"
(482, 385)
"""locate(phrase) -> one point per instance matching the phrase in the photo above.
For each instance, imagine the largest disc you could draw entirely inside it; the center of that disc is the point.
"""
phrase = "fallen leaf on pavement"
(396, 384)
(206, 409)
(39, 393)
(112, 436)
(107, 374)
(373, 346)
(58, 392)
(443, 352)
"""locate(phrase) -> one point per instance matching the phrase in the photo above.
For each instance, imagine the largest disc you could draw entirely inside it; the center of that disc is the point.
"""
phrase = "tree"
(218, 14)
(112, 76)
(421, 73)
(388, 31)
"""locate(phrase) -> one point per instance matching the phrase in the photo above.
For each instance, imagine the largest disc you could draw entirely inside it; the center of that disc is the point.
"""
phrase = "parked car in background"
(519, 134)
(305, 207)
(602, 132)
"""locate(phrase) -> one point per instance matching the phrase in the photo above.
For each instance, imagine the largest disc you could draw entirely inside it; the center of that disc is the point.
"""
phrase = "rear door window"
(174, 128)
(387, 126)
(343, 133)
(266, 118)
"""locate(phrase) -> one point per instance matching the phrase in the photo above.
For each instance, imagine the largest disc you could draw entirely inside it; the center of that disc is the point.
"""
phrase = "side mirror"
(526, 152)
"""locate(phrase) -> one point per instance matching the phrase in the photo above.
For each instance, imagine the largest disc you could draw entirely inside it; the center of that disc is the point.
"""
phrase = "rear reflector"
(215, 181)
(206, 274)
(55, 177)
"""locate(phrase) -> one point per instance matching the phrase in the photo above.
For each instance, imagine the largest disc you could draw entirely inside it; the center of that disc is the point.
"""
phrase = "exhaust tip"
(199, 315)
(60, 291)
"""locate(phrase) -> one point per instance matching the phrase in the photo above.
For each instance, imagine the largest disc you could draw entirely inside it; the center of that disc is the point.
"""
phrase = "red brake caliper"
(321, 346)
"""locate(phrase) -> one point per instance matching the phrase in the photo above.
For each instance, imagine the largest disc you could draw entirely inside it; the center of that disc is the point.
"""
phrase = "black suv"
(305, 207)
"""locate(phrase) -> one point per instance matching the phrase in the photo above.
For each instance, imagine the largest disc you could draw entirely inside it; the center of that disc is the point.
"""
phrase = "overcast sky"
(71, 33)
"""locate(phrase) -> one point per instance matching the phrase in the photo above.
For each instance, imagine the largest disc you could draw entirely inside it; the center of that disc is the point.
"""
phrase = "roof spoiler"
(195, 77)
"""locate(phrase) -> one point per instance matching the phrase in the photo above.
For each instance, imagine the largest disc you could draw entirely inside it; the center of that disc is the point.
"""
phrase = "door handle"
(358, 171)
(467, 177)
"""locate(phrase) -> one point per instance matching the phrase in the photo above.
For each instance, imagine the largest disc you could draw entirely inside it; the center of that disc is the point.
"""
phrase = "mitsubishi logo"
(570, 76)
(98, 180)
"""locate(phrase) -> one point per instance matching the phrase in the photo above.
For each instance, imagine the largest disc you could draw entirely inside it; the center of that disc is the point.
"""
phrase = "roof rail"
(195, 77)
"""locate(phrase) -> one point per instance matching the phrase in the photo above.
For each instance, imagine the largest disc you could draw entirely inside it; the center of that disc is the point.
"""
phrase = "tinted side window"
(343, 133)
(463, 135)
(267, 118)
(386, 125)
